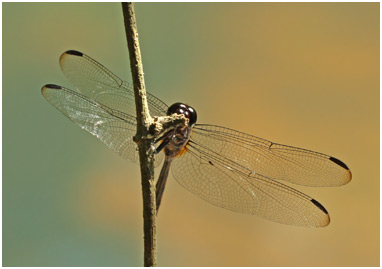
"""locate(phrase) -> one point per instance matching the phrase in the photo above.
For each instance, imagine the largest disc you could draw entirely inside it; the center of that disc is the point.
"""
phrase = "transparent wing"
(113, 127)
(97, 83)
(224, 183)
(272, 160)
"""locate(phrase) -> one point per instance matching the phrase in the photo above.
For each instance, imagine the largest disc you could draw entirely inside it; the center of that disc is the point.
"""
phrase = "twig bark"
(143, 139)
(148, 129)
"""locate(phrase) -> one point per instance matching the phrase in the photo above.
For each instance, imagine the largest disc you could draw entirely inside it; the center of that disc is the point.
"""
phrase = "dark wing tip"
(50, 86)
(71, 53)
(320, 206)
(74, 52)
(347, 176)
(340, 163)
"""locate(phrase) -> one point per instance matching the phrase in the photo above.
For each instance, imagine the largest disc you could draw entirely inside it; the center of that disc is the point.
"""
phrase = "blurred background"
(301, 74)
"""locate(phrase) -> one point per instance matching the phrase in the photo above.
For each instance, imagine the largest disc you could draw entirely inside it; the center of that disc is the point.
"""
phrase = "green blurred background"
(302, 74)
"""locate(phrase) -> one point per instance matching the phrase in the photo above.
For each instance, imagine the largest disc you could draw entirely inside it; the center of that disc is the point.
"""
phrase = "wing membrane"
(113, 127)
(96, 82)
(228, 185)
(273, 160)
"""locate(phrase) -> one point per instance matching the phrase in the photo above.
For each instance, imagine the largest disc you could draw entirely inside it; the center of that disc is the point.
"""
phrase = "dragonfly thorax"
(177, 140)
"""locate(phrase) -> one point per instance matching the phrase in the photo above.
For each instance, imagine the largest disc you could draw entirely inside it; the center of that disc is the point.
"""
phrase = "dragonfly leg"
(166, 139)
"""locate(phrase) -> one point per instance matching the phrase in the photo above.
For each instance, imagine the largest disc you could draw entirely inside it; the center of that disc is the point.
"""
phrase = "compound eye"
(187, 111)
(177, 108)
(192, 116)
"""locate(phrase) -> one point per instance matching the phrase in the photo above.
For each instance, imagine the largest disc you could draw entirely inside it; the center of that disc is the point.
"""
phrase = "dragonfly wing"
(273, 160)
(223, 183)
(96, 82)
(113, 127)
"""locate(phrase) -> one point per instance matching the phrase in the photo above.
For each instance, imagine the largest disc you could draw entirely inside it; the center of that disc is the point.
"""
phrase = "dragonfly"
(227, 168)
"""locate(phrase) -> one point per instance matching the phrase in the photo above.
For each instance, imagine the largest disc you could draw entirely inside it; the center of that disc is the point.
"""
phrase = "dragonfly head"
(186, 110)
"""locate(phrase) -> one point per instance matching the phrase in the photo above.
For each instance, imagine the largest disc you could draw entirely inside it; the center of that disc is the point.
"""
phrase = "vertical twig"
(144, 121)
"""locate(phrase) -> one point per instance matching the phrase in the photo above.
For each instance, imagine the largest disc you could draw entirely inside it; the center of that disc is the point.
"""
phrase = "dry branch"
(146, 152)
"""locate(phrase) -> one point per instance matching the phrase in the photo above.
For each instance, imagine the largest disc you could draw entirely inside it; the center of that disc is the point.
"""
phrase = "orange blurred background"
(301, 74)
